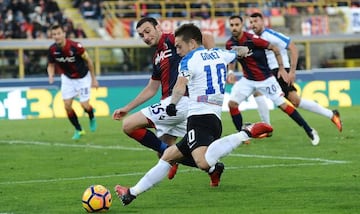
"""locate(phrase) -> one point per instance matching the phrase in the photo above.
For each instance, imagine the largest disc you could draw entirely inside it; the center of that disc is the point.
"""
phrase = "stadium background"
(326, 33)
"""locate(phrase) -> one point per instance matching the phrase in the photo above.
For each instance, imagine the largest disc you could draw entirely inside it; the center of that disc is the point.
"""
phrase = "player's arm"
(51, 72)
(148, 92)
(90, 64)
(294, 55)
(231, 78)
(178, 91)
(282, 72)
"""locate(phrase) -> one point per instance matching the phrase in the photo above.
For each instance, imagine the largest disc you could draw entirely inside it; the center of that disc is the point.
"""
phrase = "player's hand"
(292, 76)
(119, 114)
(95, 83)
(284, 75)
(231, 78)
(171, 109)
(242, 51)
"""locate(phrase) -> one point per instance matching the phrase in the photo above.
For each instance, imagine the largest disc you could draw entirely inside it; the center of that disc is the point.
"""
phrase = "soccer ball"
(96, 198)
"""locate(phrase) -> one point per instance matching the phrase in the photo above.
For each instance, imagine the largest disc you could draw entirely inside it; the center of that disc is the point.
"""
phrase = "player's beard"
(235, 33)
(60, 42)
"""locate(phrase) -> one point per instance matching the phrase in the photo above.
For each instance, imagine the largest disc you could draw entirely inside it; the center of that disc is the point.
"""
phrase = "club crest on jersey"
(162, 55)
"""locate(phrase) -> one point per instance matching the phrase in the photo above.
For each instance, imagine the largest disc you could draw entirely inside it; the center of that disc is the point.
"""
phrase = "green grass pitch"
(44, 171)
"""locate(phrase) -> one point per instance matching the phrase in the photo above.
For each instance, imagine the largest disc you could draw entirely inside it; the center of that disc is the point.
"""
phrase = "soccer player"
(258, 77)
(203, 71)
(285, 44)
(165, 64)
(77, 76)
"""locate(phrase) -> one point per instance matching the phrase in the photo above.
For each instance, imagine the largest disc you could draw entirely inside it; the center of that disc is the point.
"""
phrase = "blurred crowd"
(31, 19)
(203, 8)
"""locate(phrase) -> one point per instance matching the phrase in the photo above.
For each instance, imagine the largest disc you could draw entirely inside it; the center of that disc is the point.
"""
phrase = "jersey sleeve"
(184, 70)
(278, 38)
(50, 56)
(80, 49)
(228, 45)
(228, 55)
(259, 42)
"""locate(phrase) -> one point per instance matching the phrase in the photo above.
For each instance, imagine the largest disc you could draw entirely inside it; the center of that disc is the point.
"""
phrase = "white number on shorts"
(191, 138)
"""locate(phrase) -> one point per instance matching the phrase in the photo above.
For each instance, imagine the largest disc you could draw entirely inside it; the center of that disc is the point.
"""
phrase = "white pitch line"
(143, 173)
(318, 161)
(90, 146)
(290, 158)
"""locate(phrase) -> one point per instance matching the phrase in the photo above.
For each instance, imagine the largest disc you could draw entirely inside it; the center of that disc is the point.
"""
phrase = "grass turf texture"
(44, 171)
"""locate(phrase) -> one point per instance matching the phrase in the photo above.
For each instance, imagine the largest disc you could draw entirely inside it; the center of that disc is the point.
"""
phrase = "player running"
(258, 77)
(165, 65)
(285, 44)
(204, 73)
(77, 76)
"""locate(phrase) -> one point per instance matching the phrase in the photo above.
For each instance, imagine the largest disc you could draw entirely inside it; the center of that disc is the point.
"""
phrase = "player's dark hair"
(236, 17)
(151, 20)
(56, 26)
(189, 31)
(256, 14)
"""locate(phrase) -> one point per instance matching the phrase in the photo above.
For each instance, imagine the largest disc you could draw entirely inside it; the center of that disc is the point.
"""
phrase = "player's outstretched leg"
(258, 130)
(216, 174)
(336, 119)
(173, 171)
(77, 134)
(124, 194)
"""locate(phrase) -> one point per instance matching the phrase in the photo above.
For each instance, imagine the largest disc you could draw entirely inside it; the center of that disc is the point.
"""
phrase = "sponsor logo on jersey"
(66, 59)
(162, 55)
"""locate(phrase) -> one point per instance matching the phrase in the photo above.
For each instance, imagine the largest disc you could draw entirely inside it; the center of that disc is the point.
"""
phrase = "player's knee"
(294, 99)
(127, 127)
(68, 108)
(85, 105)
(169, 154)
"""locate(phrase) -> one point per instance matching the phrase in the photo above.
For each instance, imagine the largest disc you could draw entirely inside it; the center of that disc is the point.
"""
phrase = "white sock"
(224, 146)
(263, 109)
(315, 107)
(152, 177)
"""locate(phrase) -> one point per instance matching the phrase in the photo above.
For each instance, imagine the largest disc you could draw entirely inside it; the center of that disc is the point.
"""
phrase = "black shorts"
(202, 130)
(284, 86)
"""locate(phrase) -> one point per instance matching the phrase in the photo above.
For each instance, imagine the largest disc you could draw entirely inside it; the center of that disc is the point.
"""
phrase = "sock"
(291, 111)
(236, 118)
(90, 112)
(263, 109)
(74, 120)
(152, 177)
(315, 107)
(223, 146)
(148, 139)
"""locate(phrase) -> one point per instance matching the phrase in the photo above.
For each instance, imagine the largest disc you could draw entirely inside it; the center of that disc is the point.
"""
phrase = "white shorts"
(70, 88)
(164, 124)
(243, 88)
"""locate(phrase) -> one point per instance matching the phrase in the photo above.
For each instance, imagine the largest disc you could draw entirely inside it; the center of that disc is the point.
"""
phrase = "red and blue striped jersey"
(165, 64)
(255, 67)
(68, 59)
